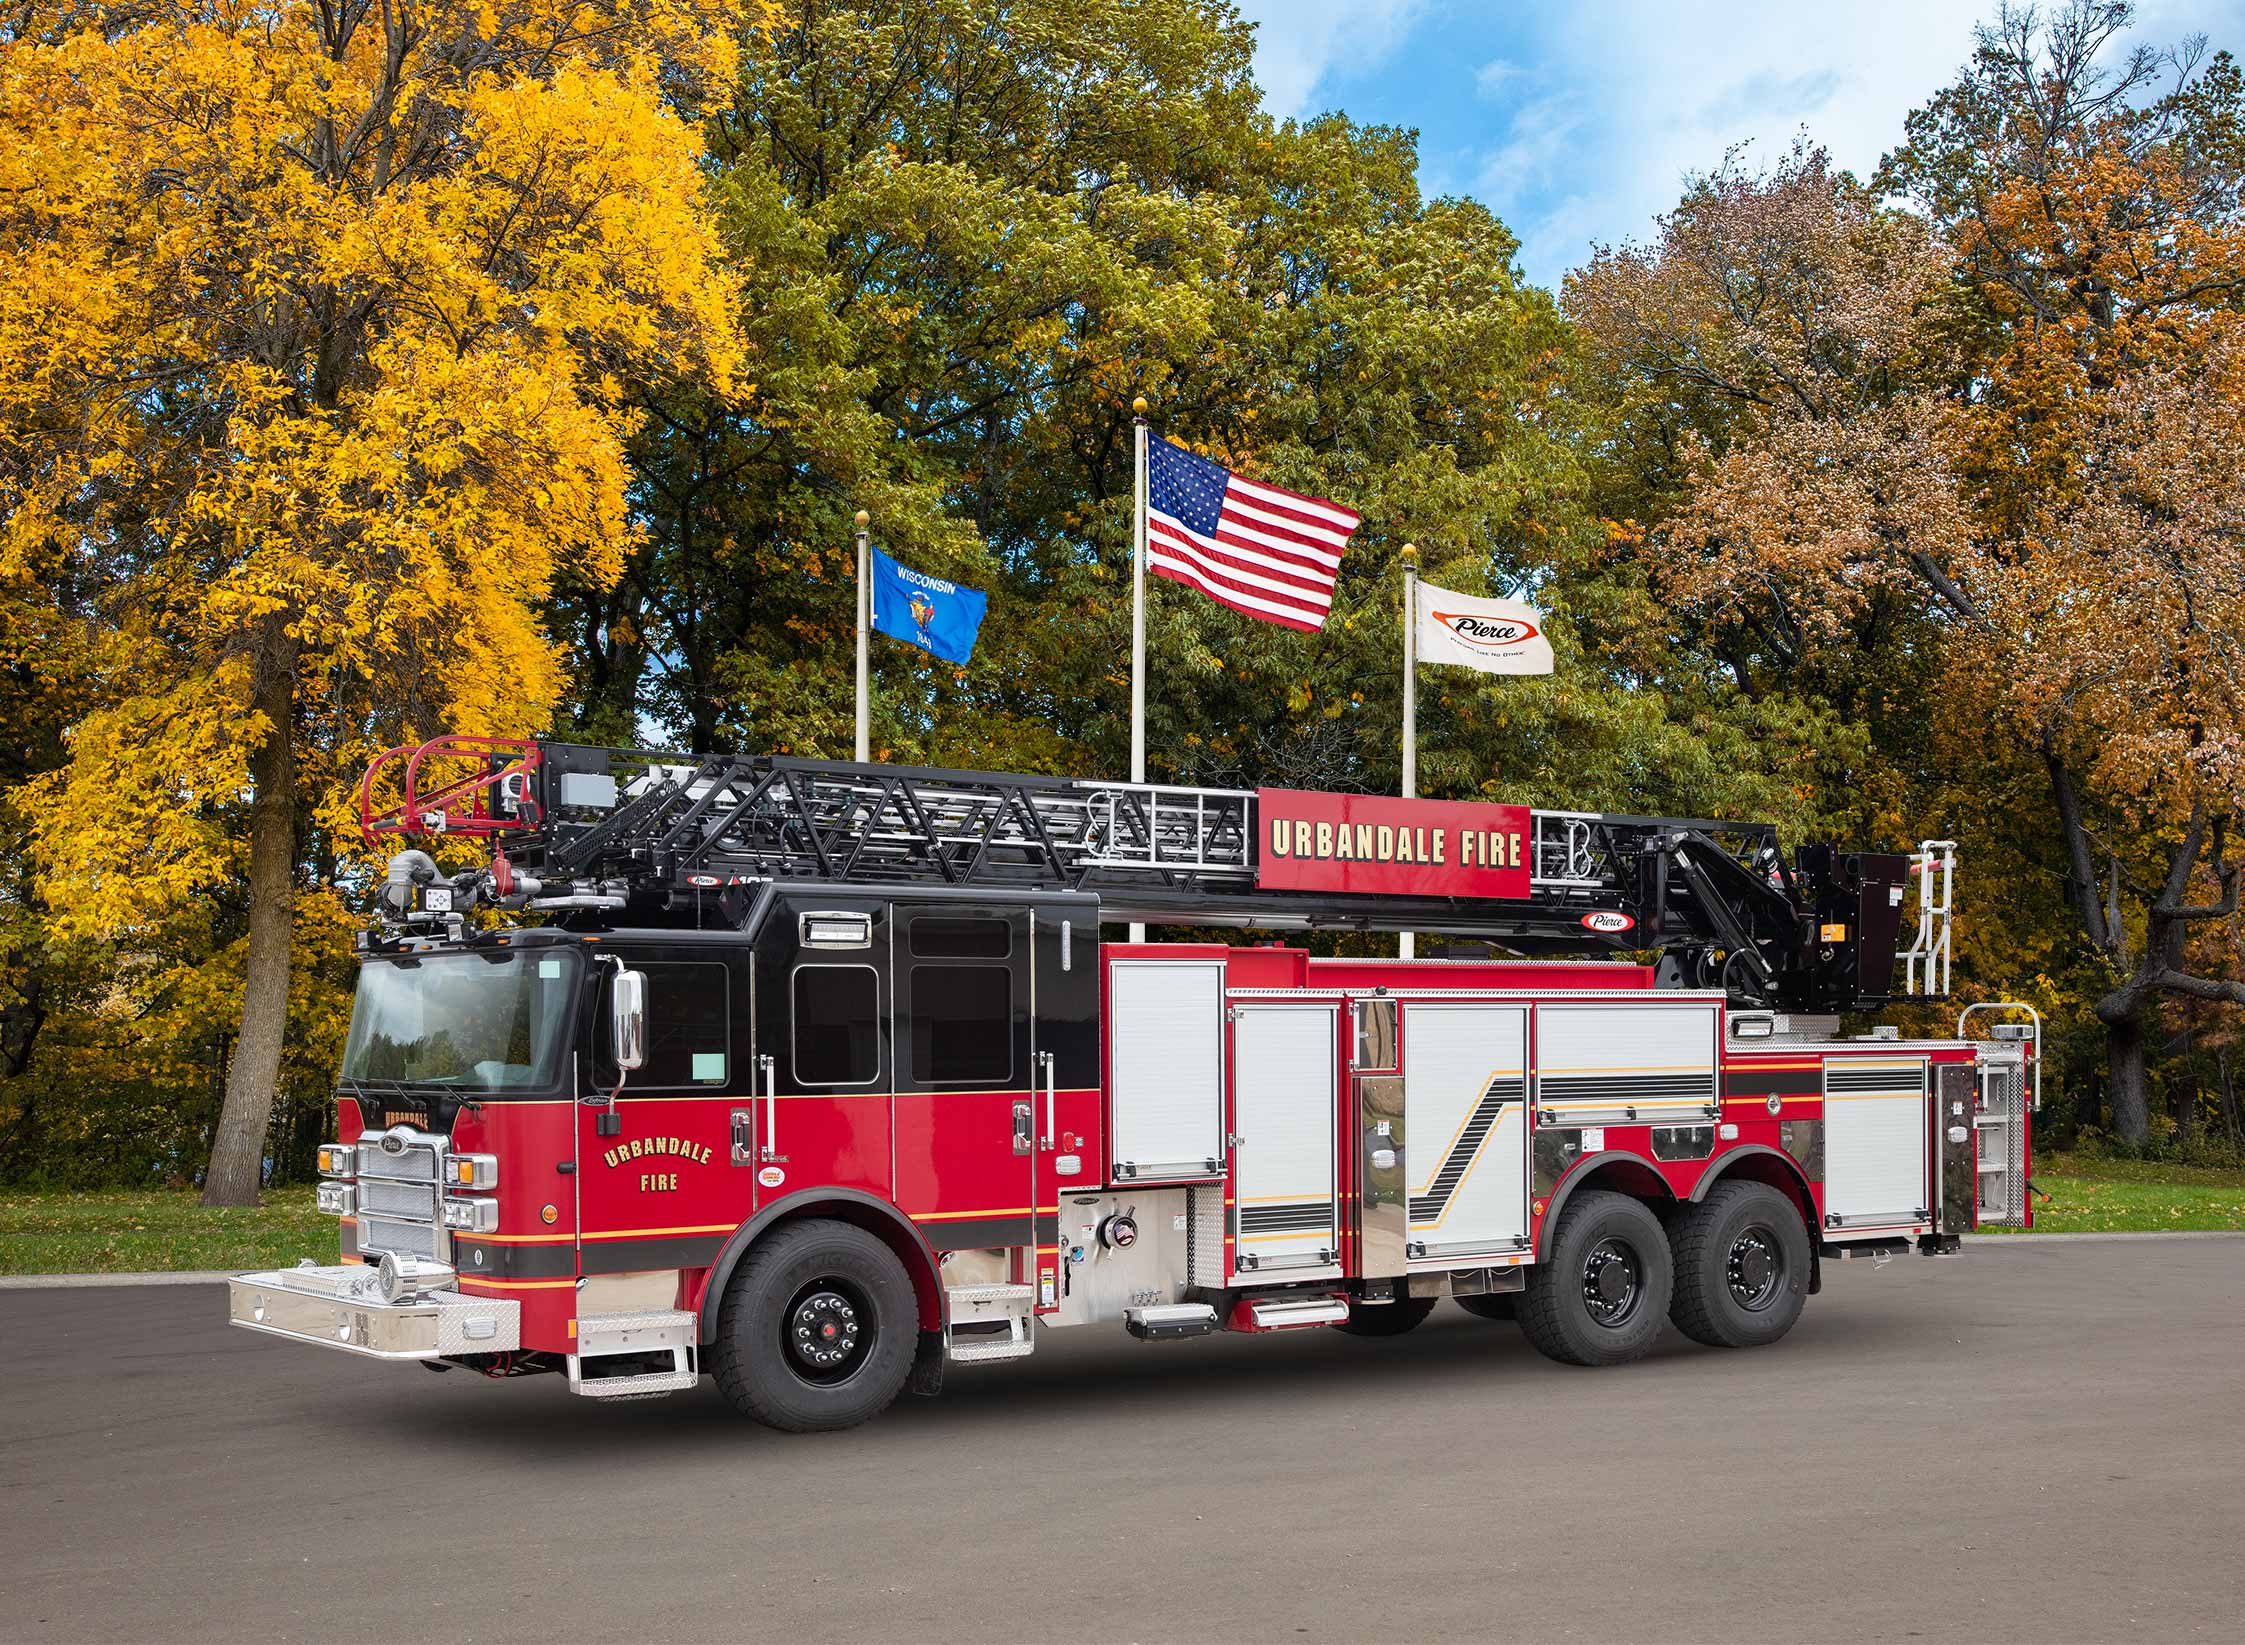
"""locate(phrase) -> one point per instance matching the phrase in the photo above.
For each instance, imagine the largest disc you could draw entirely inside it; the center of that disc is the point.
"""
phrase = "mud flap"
(926, 1375)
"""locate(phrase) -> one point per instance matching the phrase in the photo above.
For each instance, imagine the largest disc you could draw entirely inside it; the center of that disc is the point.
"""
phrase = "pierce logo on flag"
(1485, 633)
(1494, 636)
(1270, 553)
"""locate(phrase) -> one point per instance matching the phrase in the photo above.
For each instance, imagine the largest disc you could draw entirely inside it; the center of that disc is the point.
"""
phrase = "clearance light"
(337, 1199)
(338, 1159)
(472, 1171)
(472, 1216)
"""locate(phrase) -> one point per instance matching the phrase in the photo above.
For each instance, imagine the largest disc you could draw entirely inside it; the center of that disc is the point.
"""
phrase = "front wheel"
(1600, 1292)
(1385, 1319)
(1742, 1267)
(818, 1328)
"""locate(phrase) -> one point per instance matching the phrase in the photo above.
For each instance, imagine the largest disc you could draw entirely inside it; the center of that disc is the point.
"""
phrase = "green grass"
(110, 1233)
(2090, 1194)
(107, 1233)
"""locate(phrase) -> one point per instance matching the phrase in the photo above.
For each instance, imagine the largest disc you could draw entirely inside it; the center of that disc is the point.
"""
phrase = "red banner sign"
(1366, 842)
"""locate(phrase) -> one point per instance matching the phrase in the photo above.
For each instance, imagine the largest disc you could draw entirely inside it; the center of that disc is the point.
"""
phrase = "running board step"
(986, 1322)
(647, 1333)
(1288, 1313)
(1163, 1321)
(646, 1385)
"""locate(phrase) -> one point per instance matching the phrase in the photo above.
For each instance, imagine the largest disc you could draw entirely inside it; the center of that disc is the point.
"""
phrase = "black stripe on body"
(1428, 1206)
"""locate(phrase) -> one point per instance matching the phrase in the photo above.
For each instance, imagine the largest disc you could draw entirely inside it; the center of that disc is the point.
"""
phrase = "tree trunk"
(2124, 1067)
(238, 1150)
(2229, 1099)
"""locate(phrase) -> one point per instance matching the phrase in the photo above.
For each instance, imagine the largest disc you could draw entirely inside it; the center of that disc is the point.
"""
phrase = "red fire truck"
(820, 1077)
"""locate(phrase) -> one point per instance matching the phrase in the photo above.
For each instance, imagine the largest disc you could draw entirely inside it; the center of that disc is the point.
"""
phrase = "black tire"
(806, 1291)
(1385, 1319)
(1742, 1266)
(1491, 1305)
(1599, 1293)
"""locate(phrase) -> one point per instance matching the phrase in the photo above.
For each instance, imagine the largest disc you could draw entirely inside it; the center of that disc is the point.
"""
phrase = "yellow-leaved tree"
(314, 356)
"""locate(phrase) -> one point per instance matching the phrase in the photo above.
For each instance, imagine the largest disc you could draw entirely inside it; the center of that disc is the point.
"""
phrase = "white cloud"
(1491, 77)
(1299, 43)
(1659, 88)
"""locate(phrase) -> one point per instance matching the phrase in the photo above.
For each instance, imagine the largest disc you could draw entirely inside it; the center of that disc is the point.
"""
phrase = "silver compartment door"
(1874, 1143)
(1285, 1074)
(1165, 1068)
(1626, 1064)
(1465, 1112)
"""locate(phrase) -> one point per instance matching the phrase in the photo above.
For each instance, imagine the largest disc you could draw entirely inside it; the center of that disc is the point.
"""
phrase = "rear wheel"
(1600, 1293)
(818, 1328)
(1385, 1319)
(1491, 1305)
(1742, 1267)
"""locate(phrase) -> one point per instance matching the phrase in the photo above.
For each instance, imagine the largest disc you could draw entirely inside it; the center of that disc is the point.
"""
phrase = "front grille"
(416, 1201)
(406, 1239)
(400, 1201)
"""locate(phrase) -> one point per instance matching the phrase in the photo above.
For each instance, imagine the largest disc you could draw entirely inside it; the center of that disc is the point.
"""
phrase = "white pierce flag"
(1474, 631)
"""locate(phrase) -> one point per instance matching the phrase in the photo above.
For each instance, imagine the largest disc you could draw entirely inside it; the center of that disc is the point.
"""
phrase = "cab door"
(971, 1095)
(655, 1186)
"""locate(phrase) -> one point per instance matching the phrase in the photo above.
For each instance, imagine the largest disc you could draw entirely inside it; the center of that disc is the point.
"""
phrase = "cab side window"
(689, 1026)
(962, 1001)
(837, 1025)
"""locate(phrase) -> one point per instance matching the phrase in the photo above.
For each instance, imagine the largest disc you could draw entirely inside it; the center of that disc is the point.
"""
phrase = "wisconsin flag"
(1474, 631)
(939, 617)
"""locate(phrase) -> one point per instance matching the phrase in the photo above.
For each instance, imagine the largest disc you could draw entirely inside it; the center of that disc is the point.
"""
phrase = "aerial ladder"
(626, 834)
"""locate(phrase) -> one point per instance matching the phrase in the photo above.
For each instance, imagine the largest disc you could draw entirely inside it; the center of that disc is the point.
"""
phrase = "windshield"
(484, 1021)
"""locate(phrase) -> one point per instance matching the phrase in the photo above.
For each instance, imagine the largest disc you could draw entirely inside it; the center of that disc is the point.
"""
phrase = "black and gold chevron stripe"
(1503, 1089)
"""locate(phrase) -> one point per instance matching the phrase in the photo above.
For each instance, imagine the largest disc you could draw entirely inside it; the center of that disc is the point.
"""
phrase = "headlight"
(338, 1159)
(472, 1216)
(337, 1199)
(472, 1171)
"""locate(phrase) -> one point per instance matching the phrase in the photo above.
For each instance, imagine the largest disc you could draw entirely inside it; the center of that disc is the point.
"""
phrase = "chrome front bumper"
(326, 1306)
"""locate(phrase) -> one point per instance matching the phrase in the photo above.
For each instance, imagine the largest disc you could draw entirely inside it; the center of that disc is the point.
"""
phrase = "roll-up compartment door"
(1465, 1104)
(1611, 1064)
(1875, 1155)
(1285, 1076)
(1165, 1069)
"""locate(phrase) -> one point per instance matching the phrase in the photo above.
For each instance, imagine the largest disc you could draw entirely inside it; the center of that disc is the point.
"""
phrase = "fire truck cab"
(822, 1091)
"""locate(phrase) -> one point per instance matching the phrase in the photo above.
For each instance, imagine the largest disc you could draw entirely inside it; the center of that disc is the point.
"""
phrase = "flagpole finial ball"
(863, 519)
(1410, 551)
(1138, 406)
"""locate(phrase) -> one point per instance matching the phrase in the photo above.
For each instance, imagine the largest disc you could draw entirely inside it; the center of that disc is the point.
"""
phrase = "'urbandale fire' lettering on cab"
(692, 1152)
(1372, 843)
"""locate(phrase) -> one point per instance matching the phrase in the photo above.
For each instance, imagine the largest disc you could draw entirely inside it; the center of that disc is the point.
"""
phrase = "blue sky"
(1576, 122)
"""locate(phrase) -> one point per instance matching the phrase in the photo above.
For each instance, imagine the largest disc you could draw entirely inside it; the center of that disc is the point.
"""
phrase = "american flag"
(1273, 554)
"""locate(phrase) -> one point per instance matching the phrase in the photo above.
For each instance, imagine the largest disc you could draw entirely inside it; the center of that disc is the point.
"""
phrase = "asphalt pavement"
(2045, 1442)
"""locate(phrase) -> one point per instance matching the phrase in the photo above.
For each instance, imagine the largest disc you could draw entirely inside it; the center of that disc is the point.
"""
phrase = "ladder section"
(733, 819)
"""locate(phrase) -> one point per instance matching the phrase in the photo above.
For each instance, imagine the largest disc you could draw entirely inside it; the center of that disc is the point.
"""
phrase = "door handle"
(770, 1151)
(1024, 1128)
(1051, 1081)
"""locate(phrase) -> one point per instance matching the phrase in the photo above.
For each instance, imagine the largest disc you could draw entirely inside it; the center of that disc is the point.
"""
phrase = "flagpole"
(864, 622)
(1407, 944)
(1138, 609)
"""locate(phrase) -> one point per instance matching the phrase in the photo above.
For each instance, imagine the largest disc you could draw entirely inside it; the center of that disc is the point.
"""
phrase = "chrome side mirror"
(627, 1019)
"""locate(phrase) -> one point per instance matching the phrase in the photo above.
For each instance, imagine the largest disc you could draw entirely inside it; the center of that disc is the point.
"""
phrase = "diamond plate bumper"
(315, 1305)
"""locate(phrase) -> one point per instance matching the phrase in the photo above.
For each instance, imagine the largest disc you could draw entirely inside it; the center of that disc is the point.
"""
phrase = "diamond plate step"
(639, 1332)
(969, 1351)
(986, 1322)
(646, 1386)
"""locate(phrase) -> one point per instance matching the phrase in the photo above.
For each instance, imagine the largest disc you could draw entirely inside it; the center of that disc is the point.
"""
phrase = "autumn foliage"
(372, 370)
